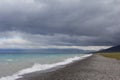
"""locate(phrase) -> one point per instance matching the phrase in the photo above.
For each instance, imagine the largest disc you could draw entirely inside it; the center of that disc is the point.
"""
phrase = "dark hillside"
(112, 49)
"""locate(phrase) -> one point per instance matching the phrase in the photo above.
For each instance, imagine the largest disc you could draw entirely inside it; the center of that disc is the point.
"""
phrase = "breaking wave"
(40, 67)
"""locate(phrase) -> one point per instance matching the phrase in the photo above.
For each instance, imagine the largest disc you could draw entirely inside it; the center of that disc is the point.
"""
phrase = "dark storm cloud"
(80, 22)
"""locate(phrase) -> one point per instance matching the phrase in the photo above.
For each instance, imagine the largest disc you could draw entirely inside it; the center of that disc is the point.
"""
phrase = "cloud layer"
(22, 40)
(60, 22)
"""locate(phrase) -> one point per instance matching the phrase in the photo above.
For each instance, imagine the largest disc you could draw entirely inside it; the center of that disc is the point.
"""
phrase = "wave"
(41, 67)
(9, 60)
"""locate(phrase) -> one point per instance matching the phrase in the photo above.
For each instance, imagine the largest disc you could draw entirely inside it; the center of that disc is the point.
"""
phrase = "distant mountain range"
(112, 49)
(52, 50)
(44, 51)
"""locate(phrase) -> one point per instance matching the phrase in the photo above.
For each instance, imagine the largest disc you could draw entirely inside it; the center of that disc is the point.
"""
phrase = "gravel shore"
(95, 67)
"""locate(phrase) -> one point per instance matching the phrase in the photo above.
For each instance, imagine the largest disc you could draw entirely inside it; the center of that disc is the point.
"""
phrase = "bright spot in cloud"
(13, 40)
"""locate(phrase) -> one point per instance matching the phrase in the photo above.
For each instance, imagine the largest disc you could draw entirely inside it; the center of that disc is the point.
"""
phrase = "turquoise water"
(13, 62)
(42, 57)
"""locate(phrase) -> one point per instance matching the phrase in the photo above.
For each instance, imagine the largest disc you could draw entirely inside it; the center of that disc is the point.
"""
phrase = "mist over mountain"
(112, 49)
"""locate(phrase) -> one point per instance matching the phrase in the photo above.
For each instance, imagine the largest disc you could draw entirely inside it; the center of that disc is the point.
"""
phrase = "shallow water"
(12, 62)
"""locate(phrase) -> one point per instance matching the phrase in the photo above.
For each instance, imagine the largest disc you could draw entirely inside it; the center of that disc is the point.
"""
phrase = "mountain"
(112, 49)
(44, 51)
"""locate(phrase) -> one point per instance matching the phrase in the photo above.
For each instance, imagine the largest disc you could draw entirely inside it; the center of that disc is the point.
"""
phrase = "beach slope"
(95, 67)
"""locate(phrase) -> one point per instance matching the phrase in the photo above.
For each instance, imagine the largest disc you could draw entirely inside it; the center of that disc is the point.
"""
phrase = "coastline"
(95, 67)
(36, 69)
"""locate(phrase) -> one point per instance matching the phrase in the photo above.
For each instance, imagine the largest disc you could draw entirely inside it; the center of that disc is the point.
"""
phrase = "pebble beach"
(95, 67)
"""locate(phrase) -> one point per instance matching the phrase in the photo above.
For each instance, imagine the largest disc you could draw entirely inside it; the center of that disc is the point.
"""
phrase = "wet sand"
(95, 67)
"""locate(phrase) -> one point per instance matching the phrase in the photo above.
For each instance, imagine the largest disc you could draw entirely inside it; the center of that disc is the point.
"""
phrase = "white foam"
(39, 67)
(9, 60)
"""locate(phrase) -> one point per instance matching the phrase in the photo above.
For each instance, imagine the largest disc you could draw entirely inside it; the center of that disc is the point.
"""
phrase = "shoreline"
(46, 72)
(95, 67)
(42, 72)
(43, 68)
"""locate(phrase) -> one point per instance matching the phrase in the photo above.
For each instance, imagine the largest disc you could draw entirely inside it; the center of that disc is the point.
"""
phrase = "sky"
(82, 24)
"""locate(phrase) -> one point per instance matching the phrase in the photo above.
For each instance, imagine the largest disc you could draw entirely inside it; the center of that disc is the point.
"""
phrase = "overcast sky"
(51, 23)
